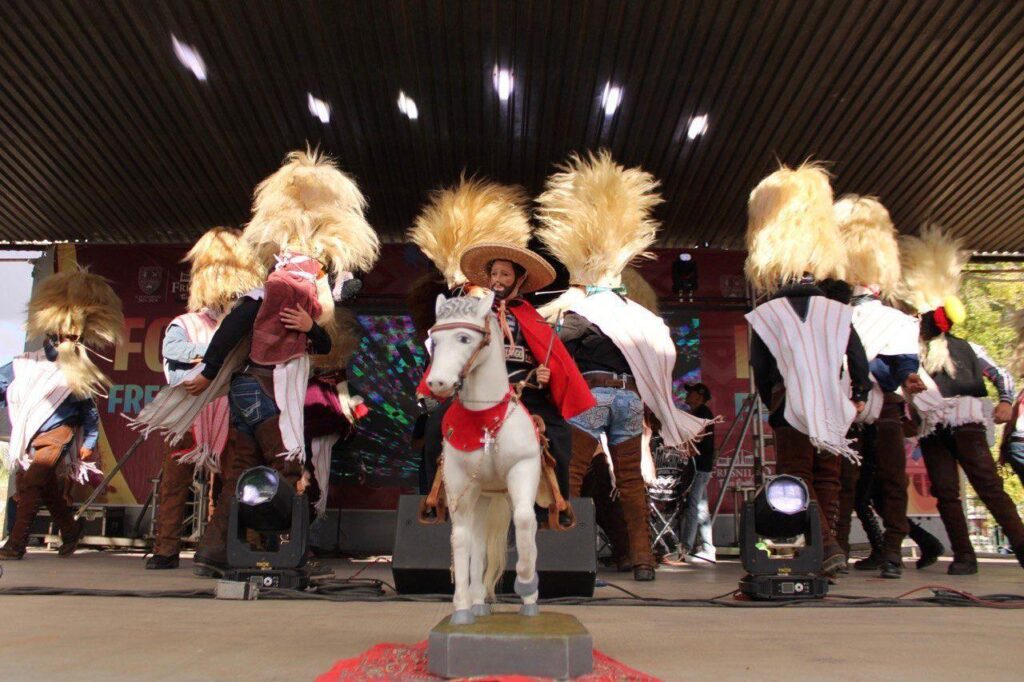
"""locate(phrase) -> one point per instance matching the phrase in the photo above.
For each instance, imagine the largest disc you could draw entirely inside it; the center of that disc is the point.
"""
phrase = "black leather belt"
(610, 380)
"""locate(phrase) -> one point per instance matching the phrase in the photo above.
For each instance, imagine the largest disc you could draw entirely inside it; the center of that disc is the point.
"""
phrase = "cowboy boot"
(583, 448)
(27, 506)
(874, 532)
(211, 558)
(271, 444)
(931, 547)
(633, 495)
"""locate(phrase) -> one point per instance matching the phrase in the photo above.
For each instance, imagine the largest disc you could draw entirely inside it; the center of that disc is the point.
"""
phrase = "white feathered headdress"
(596, 217)
(470, 213)
(869, 237)
(310, 207)
(791, 230)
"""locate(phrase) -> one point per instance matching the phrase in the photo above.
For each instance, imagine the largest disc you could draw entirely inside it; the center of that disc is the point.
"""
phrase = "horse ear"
(486, 302)
(438, 303)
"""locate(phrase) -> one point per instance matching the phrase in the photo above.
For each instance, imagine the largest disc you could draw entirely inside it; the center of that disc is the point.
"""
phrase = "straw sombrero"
(474, 263)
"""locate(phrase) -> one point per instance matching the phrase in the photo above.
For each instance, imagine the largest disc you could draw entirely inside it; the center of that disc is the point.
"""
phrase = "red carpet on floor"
(408, 663)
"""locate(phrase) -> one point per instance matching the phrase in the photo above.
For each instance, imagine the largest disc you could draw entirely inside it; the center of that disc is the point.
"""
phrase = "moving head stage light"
(268, 505)
(782, 510)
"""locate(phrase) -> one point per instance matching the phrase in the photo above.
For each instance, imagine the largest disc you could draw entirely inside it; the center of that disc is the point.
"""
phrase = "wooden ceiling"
(106, 136)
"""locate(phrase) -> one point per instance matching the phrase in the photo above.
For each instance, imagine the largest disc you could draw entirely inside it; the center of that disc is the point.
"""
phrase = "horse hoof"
(529, 610)
(527, 589)
(481, 609)
(463, 617)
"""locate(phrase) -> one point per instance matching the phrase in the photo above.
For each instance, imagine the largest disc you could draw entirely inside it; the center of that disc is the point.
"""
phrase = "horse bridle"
(485, 340)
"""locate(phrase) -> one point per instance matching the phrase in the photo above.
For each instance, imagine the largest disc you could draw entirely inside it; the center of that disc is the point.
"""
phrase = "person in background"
(698, 518)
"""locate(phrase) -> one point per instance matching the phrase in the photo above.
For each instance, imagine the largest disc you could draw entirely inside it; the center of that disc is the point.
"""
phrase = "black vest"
(969, 379)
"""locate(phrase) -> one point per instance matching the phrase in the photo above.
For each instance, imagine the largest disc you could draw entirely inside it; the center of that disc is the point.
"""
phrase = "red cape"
(568, 388)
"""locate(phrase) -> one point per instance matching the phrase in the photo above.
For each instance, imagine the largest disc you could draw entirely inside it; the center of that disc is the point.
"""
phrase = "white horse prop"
(492, 457)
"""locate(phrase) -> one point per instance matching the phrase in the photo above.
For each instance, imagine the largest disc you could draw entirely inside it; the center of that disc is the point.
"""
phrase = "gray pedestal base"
(548, 645)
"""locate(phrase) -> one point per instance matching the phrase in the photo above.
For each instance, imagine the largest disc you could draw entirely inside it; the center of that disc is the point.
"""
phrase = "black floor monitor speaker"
(566, 560)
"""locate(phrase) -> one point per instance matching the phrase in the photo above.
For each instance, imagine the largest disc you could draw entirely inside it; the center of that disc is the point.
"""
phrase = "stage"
(122, 638)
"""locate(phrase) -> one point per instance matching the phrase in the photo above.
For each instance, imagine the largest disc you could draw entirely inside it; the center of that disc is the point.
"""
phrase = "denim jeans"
(619, 414)
(250, 404)
(1015, 457)
(697, 515)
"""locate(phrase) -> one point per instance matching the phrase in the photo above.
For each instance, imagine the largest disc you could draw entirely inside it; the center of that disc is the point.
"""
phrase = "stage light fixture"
(189, 57)
(407, 105)
(684, 276)
(266, 504)
(319, 108)
(698, 126)
(611, 98)
(781, 511)
(504, 82)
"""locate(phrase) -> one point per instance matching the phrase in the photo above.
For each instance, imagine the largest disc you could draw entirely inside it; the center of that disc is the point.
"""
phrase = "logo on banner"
(150, 278)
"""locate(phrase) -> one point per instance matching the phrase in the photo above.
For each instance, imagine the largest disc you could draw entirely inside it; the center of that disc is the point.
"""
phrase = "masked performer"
(956, 433)
(538, 364)
(596, 219)
(223, 268)
(890, 345)
(800, 338)
(307, 226)
(49, 395)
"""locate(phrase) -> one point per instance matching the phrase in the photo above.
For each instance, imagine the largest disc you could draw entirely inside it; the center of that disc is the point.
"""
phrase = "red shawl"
(569, 390)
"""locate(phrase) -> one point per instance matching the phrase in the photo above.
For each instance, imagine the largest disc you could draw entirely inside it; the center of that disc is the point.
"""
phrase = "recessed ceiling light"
(407, 105)
(698, 126)
(504, 82)
(319, 108)
(189, 57)
(611, 99)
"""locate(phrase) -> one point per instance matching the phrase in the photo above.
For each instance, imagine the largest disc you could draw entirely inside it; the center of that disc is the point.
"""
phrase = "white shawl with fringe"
(809, 354)
(645, 342)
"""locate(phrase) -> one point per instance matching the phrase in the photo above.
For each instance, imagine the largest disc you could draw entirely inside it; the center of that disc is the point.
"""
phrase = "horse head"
(459, 337)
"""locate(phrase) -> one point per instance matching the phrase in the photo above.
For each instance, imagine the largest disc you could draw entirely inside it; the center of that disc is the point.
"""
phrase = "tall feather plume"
(639, 289)
(77, 303)
(791, 230)
(310, 207)
(596, 217)
(472, 212)
(932, 264)
(869, 237)
(223, 268)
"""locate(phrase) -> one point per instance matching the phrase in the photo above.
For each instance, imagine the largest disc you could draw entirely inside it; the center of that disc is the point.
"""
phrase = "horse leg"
(523, 478)
(460, 488)
(478, 558)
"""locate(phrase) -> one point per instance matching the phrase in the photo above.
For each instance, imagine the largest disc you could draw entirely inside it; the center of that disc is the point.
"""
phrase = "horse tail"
(499, 516)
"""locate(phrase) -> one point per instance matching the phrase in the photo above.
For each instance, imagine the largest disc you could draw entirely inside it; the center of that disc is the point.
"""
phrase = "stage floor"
(125, 638)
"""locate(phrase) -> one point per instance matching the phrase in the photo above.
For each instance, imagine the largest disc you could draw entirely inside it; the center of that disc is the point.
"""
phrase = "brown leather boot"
(211, 556)
(268, 438)
(583, 448)
(175, 482)
(633, 495)
(28, 505)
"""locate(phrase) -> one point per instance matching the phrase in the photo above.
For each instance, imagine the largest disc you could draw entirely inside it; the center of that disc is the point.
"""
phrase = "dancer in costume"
(331, 411)
(49, 397)
(890, 345)
(955, 433)
(477, 213)
(549, 384)
(800, 338)
(223, 268)
(308, 226)
(595, 218)
(1011, 449)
